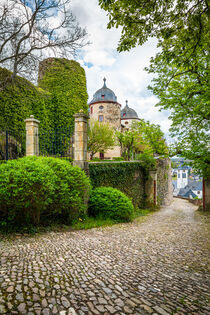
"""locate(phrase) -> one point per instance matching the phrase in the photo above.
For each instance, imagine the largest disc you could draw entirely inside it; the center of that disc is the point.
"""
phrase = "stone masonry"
(156, 265)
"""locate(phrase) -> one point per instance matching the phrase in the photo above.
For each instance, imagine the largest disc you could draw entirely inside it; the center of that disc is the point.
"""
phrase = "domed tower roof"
(104, 94)
(128, 113)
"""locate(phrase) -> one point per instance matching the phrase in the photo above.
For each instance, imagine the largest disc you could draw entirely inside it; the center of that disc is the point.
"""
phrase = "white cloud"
(124, 71)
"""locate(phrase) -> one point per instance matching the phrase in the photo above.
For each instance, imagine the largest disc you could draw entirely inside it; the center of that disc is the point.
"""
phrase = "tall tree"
(100, 137)
(31, 30)
(181, 83)
(143, 137)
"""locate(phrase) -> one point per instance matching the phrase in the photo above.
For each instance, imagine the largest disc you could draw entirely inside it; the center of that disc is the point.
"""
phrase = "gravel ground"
(155, 265)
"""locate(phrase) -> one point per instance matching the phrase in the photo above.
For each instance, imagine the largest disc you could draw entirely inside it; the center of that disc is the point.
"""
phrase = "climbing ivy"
(66, 82)
(19, 100)
(61, 93)
(128, 177)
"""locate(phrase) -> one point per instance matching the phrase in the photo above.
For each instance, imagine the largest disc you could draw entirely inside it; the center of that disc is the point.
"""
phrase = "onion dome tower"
(104, 107)
(128, 115)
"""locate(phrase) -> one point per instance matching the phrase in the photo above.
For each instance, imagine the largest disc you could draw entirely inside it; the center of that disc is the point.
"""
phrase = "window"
(126, 122)
(123, 114)
(103, 96)
(91, 109)
(101, 155)
(198, 192)
(183, 175)
(101, 107)
(178, 175)
(100, 118)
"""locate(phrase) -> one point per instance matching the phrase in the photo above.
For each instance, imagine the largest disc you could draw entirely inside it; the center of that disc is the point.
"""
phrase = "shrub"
(26, 189)
(120, 158)
(108, 202)
(36, 189)
(72, 189)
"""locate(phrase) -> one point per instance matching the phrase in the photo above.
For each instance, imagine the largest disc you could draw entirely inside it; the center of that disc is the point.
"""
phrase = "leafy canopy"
(100, 137)
(143, 137)
(181, 67)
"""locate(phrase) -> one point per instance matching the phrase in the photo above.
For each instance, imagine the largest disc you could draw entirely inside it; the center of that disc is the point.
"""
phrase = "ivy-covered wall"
(65, 80)
(19, 100)
(61, 93)
(129, 177)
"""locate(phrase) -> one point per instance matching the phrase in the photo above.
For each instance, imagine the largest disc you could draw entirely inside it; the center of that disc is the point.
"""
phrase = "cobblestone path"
(155, 266)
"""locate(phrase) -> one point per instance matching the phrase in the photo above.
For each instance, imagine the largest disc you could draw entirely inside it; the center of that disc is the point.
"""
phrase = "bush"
(108, 202)
(120, 158)
(26, 189)
(72, 189)
(34, 190)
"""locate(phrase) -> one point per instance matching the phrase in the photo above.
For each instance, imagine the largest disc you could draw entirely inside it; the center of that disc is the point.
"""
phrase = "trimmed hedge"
(108, 202)
(37, 190)
(128, 177)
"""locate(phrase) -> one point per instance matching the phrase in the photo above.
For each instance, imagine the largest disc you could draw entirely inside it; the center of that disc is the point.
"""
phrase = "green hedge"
(108, 202)
(41, 190)
(128, 177)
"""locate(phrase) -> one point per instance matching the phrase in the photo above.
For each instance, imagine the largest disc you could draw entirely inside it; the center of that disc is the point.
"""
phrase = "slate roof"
(104, 94)
(195, 185)
(186, 193)
(128, 113)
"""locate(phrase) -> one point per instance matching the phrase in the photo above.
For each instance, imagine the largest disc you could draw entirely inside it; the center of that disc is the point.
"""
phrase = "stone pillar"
(206, 194)
(80, 140)
(151, 188)
(32, 136)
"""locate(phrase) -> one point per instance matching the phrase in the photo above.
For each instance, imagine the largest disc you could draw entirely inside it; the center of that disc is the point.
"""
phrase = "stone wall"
(129, 177)
(164, 182)
(132, 179)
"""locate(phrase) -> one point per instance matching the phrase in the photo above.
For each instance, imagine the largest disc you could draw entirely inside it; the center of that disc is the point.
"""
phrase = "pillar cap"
(81, 114)
(32, 119)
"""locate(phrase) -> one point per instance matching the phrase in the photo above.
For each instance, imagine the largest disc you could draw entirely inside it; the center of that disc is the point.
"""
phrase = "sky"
(124, 72)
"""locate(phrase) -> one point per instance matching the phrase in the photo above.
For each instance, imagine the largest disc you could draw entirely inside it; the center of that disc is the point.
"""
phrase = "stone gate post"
(80, 140)
(151, 188)
(32, 136)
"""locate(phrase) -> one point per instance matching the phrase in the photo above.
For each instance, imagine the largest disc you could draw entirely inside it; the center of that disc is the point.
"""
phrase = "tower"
(105, 108)
(128, 116)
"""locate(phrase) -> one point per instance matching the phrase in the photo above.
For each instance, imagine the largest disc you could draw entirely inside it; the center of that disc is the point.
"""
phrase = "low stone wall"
(164, 182)
(132, 179)
(129, 177)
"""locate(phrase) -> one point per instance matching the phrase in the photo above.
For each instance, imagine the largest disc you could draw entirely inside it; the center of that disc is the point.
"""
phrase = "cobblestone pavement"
(158, 265)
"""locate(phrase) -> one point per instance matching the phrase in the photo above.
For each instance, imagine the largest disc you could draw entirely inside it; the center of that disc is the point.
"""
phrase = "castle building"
(105, 108)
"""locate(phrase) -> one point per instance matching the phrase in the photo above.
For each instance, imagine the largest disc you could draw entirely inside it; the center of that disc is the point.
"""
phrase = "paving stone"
(158, 266)
(160, 311)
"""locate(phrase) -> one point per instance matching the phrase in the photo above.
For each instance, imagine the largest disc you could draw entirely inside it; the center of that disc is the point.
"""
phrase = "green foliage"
(149, 137)
(120, 158)
(147, 160)
(39, 190)
(143, 137)
(66, 82)
(87, 222)
(181, 67)
(127, 141)
(100, 137)
(72, 189)
(27, 187)
(108, 202)
(129, 177)
(18, 101)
